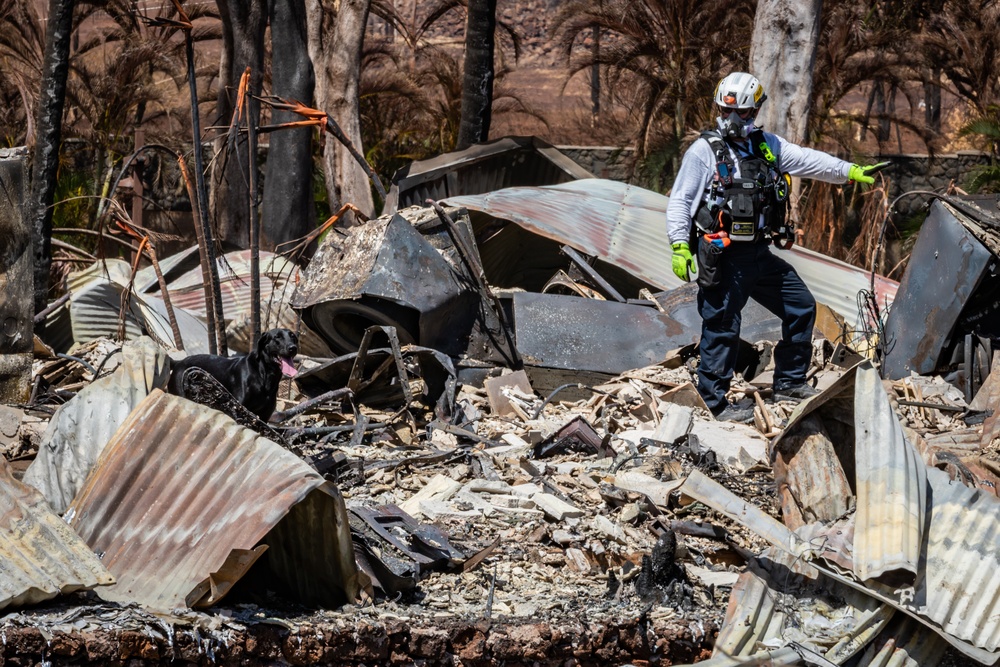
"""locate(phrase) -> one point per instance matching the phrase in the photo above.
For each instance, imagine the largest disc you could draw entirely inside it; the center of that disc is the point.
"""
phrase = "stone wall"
(603, 161)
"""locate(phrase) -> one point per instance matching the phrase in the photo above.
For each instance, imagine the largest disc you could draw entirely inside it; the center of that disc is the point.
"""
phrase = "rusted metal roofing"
(40, 556)
(764, 614)
(181, 487)
(782, 600)
(888, 475)
(82, 426)
(277, 276)
(625, 225)
(96, 301)
(504, 163)
(916, 520)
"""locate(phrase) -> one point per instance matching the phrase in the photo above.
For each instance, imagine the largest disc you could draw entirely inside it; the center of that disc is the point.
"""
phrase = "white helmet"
(740, 91)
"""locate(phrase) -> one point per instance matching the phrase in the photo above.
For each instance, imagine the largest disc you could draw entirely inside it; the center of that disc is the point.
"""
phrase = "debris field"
(492, 452)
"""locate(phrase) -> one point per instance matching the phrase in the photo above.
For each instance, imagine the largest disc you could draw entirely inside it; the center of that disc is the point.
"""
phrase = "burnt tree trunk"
(243, 26)
(16, 294)
(45, 161)
(336, 35)
(288, 206)
(782, 54)
(477, 81)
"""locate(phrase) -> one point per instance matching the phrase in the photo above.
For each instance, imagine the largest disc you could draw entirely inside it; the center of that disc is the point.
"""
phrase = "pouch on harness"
(751, 208)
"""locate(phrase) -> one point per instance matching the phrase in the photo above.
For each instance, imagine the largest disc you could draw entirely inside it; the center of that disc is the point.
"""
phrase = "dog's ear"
(265, 338)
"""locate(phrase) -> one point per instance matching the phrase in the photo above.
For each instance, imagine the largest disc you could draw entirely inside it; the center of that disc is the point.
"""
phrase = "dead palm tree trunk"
(45, 162)
(288, 204)
(477, 82)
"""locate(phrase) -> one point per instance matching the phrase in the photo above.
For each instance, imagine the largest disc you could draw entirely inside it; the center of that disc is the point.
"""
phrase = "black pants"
(752, 270)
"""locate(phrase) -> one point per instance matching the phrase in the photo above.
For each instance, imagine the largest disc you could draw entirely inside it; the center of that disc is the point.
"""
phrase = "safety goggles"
(742, 113)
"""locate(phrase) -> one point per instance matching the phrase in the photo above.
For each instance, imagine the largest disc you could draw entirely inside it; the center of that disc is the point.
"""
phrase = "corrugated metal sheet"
(40, 556)
(82, 426)
(891, 487)
(504, 163)
(956, 558)
(886, 472)
(785, 600)
(181, 486)
(960, 589)
(277, 276)
(96, 302)
(904, 643)
(625, 225)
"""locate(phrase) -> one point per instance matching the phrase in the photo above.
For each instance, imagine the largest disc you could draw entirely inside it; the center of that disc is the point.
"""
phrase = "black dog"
(252, 378)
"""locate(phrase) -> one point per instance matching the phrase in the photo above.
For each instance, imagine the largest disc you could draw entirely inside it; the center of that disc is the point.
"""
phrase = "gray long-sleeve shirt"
(694, 178)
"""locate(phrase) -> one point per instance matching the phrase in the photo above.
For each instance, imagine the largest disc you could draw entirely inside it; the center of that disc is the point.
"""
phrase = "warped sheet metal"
(40, 556)
(181, 488)
(780, 600)
(504, 163)
(82, 426)
(401, 270)
(96, 302)
(956, 592)
(625, 225)
(567, 332)
(886, 473)
(948, 265)
(277, 281)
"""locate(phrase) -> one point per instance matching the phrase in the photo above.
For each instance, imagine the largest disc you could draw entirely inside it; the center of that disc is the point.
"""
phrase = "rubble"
(492, 458)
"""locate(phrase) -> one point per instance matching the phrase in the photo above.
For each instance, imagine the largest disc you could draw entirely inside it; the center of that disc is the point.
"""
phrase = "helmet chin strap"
(734, 127)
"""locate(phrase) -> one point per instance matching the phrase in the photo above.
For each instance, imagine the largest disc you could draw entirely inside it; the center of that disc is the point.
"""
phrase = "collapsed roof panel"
(40, 556)
(95, 305)
(181, 487)
(277, 275)
(886, 474)
(82, 426)
(507, 162)
(947, 530)
(625, 225)
(780, 599)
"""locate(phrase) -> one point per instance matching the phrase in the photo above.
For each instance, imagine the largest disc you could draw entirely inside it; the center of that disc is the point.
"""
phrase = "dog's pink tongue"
(287, 369)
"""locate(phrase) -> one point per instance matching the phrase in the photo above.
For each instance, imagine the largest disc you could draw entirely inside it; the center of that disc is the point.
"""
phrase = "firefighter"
(727, 208)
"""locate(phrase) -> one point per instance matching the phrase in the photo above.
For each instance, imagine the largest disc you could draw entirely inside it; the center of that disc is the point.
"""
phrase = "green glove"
(860, 174)
(683, 263)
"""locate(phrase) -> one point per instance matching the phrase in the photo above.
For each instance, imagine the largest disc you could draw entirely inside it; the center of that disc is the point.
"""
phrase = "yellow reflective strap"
(765, 150)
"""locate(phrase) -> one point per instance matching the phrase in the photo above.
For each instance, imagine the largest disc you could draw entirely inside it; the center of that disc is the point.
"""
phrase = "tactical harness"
(754, 207)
